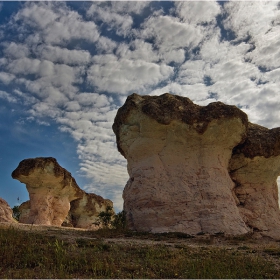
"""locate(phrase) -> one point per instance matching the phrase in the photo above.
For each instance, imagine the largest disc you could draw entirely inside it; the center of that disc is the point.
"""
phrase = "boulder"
(6, 213)
(51, 189)
(84, 211)
(177, 159)
(254, 167)
(24, 210)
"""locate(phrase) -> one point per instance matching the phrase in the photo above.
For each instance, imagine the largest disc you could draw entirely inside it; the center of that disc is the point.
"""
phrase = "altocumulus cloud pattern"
(71, 65)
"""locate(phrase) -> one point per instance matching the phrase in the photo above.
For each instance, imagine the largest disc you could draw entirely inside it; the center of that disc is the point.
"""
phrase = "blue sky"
(66, 67)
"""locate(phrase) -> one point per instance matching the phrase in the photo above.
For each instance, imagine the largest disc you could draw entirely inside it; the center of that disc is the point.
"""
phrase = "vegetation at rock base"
(106, 217)
(88, 254)
(16, 212)
(110, 220)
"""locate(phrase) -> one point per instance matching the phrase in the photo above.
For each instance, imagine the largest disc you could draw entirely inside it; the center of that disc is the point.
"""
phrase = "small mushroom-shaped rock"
(254, 167)
(178, 154)
(51, 189)
(6, 213)
(24, 210)
(84, 211)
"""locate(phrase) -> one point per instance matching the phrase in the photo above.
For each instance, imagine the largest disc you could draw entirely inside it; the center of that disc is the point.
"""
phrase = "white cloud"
(263, 33)
(170, 34)
(191, 72)
(24, 66)
(252, 18)
(267, 52)
(272, 76)
(138, 50)
(7, 96)
(55, 23)
(125, 76)
(6, 78)
(121, 23)
(14, 50)
(126, 7)
(197, 92)
(105, 45)
(196, 12)
(117, 15)
(38, 16)
(63, 55)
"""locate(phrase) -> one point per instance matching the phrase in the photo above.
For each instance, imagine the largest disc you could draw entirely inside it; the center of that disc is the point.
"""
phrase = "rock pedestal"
(55, 197)
(51, 189)
(178, 154)
(254, 167)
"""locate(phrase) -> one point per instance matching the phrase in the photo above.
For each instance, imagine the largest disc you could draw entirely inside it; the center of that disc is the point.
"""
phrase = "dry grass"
(65, 253)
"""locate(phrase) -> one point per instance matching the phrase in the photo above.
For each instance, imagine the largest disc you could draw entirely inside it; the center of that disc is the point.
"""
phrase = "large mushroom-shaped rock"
(255, 166)
(85, 211)
(51, 189)
(178, 154)
(6, 213)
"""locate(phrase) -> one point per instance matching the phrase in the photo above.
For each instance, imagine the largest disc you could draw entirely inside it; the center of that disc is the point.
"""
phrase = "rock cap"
(168, 107)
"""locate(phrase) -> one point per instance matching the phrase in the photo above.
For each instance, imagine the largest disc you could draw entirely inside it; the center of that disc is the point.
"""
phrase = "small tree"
(105, 217)
(16, 212)
(119, 221)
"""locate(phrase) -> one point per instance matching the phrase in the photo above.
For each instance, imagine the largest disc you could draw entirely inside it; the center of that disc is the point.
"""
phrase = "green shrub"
(119, 221)
(105, 217)
(16, 212)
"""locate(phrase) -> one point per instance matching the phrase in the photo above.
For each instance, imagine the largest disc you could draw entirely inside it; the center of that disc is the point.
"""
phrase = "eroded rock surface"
(6, 213)
(255, 166)
(51, 189)
(178, 154)
(55, 197)
(24, 210)
(84, 211)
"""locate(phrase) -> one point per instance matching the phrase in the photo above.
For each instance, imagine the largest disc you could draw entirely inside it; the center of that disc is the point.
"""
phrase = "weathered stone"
(84, 211)
(6, 213)
(55, 197)
(51, 189)
(178, 154)
(24, 210)
(255, 166)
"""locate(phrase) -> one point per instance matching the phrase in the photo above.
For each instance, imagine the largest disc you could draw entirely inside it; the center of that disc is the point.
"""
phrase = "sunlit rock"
(177, 154)
(254, 167)
(24, 210)
(84, 211)
(6, 213)
(55, 197)
(51, 189)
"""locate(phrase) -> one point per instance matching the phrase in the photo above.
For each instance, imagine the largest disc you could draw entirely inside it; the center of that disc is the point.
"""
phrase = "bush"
(16, 212)
(110, 220)
(119, 221)
(105, 217)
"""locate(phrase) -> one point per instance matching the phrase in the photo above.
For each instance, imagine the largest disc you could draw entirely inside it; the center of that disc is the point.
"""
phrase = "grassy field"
(124, 254)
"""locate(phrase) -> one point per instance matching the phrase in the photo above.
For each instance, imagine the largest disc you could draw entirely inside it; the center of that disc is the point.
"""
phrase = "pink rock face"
(255, 166)
(51, 189)
(178, 155)
(6, 213)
